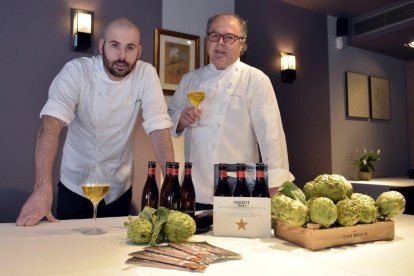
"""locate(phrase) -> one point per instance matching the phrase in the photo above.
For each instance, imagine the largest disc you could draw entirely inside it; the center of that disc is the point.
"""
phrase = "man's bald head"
(122, 25)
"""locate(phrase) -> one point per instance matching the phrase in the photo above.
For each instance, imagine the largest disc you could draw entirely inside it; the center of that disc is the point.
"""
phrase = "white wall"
(190, 16)
(349, 135)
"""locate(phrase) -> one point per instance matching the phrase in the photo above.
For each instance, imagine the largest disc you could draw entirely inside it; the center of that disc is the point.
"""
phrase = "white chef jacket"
(239, 112)
(101, 114)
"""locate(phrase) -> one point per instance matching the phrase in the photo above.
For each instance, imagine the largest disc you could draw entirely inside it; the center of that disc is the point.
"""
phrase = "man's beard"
(110, 65)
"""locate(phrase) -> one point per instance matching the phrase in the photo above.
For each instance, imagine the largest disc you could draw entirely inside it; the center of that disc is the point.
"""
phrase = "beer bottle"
(222, 188)
(260, 188)
(172, 190)
(150, 191)
(165, 183)
(187, 192)
(241, 189)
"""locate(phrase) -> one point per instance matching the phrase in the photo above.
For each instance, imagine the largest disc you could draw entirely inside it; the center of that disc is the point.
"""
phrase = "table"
(376, 186)
(60, 249)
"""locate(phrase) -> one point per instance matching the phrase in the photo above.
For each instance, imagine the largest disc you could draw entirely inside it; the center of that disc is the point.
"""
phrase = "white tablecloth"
(60, 249)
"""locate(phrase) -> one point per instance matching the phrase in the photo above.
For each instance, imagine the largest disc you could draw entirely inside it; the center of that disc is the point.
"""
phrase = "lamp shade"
(288, 67)
(288, 61)
(82, 29)
(82, 22)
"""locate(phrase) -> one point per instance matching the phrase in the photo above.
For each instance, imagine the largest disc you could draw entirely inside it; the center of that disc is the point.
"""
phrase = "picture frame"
(175, 54)
(380, 98)
(206, 57)
(357, 93)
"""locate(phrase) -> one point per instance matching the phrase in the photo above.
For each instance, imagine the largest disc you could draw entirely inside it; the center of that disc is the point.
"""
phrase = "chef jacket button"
(218, 124)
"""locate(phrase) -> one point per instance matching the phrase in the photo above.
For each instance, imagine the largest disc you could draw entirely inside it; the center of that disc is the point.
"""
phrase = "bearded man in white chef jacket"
(239, 112)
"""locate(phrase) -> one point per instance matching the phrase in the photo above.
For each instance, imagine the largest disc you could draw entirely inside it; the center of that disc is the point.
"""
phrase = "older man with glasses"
(238, 117)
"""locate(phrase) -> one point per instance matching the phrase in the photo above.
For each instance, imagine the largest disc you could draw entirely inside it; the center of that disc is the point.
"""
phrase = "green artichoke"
(332, 186)
(369, 212)
(323, 211)
(139, 230)
(349, 212)
(309, 190)
(289, 210)
(179, 226)
(391, 204)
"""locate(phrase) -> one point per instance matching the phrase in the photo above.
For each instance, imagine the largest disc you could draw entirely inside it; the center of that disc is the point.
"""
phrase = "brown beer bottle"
(187, 192)
(241, 189)
(150, 191)
(222, 188)
(260, 188)
(171, 199)
(165, 183)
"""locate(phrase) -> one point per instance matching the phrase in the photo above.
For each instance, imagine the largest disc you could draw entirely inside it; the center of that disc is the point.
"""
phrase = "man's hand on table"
(36, 207)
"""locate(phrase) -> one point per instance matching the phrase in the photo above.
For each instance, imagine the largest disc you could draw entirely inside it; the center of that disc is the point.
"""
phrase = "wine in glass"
(195, 98)
(95, 187)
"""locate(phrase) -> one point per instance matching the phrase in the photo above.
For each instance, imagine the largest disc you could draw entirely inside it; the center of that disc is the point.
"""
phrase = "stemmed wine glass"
(196, 97)
(95, 186)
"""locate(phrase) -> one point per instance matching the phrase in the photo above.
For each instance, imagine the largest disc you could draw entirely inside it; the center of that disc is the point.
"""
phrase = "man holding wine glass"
(238, 116)
(98, 98)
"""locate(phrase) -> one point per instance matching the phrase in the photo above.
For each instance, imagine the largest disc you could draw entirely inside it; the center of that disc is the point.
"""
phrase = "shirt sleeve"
(154, 108)
(267, 125)
(64, 93)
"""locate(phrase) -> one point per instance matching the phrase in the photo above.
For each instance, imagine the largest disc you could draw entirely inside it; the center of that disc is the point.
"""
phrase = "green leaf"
(291, 190)
(147, 214)
(160, 219)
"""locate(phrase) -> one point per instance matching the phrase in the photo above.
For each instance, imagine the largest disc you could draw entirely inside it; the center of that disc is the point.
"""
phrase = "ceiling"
(389, 40)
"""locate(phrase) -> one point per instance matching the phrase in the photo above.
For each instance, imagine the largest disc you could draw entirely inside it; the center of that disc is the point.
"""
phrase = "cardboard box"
(318, 239)
(245, 217)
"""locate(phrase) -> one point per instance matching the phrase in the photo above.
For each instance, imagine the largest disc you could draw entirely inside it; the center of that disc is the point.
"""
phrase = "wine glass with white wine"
(95, 186)
(196, 97)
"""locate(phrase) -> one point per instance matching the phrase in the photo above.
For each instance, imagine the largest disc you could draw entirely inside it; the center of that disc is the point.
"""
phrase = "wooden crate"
(318, 239)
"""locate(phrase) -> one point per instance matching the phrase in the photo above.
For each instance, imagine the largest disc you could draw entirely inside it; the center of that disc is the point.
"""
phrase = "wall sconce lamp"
(288, 66)
(81, 29)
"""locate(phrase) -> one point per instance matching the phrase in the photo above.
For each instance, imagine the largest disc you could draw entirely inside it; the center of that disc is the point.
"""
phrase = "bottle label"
(151, 171)
(241, 174)
(188, 171)
(174, 171)
(259, 173)
(223, 173)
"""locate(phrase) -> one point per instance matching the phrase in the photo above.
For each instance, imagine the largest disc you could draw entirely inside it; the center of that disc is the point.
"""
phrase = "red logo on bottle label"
(151, 170)
(241, 174)
(259, 173)
(223, 173)
(187, 171)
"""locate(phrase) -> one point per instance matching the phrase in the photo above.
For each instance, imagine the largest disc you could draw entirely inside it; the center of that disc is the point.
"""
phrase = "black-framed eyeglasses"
(227, 38)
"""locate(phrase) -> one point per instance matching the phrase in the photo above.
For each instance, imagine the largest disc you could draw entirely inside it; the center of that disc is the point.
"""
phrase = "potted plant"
(365, 164)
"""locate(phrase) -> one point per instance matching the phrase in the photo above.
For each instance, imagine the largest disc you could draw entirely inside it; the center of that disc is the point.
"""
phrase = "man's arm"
(163, 147)
(39, 203)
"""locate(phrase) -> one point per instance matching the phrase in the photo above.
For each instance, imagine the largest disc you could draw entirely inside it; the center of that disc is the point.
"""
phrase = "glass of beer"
(95, 187)
(196, 97)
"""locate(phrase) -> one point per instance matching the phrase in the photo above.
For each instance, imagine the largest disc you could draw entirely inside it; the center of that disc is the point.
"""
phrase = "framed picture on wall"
(206, 57)
(380, 98)
(357, 94)
(175, 54)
